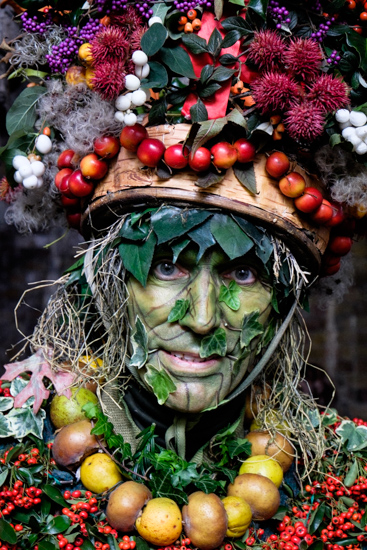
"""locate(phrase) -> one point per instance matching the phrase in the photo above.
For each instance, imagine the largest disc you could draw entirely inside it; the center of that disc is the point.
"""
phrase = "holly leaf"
(178, 311)
(139, 342)
(22, 114)
(229, 295)
(40, 368)
(214, 344)
(160, 382)
(24, 421)
(250, 328)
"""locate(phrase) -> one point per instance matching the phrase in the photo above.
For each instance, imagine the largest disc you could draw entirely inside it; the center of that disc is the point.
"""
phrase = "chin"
(194, 397)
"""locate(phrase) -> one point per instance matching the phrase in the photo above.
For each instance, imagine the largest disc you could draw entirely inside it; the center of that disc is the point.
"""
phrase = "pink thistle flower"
(109, 44)
(303, 58)
(328, 93)
(304, 122)
(129, 20)
(267, 49)
(135, 38)
(274, 92)
(109, 79)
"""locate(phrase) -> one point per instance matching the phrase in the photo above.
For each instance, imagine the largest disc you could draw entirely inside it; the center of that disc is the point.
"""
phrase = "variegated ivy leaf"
(214, 344)
(6, 403)
(139, 341)
(17, 385)
(22, 422)
(250, 328)
(160, 382)
(5, 429)
(229, 295)
(179, 310)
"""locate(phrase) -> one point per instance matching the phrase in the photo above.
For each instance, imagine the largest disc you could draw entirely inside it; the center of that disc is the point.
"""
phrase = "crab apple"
(340, 246)
(200, 160)
(70, 202)
(93, 167)
(323, 213)
(246, 150)
(65, 189)
(67, 159)
(106, 146)
(309, 201)
(132, 136)
(292, 185)
(277, 164)
(338, 215)
(224, 155)
(330, 259)
(74, 220)
(176, 156)
(331, 269)
(79, 185)
(64, 173)
(150, 151)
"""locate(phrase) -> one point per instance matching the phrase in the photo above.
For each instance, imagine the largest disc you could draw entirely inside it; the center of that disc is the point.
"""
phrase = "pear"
(64, 411)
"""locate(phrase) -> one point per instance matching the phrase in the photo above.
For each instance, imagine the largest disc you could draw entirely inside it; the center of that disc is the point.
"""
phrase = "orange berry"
(180, 28)
(351, 4)
(188, 28)
(196, 24)
(275, 119)
(363, 16)
(237, 88)
(105, 21)
(192, 14)
(357, 28)
(46, 131)
(182, 20)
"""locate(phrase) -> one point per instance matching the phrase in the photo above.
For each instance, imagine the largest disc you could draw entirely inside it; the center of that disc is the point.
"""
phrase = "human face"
(174, 346)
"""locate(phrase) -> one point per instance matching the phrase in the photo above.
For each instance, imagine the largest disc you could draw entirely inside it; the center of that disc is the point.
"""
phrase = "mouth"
(186, 363)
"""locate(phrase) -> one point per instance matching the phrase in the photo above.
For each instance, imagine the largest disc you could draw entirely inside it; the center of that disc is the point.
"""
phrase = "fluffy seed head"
(328, 93)
(304, 122)
(303, 58)
(267, 50)
(274, 91)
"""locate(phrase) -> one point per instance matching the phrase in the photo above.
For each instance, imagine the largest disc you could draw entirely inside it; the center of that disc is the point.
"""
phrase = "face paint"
(175, 347)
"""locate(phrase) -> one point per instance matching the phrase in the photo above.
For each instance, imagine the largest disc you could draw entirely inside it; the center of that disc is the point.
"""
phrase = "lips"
(185, 363)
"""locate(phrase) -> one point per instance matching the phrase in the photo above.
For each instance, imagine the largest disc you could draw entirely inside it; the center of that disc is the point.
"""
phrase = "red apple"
(72, 203)
(330, 269)
(340, 246)
(277, 164)
(74, 220)
(346, 228)
(79, 185)
(224, 155)
(323, 213)
(150, 151)
(67, 159)
(338, 215)
(93, 167)
(292, 185)
(65, 172)
(246, 150)
(106, 146)
(330, 259)
(65, 189)
(200, 160)
(309, 201)
(132, 136)
(176, 157)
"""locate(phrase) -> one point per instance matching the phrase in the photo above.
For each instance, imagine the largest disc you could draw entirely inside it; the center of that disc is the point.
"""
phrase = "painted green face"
(174, 346)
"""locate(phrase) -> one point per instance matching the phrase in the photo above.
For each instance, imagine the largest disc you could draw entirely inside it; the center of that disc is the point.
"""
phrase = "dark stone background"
(338, 333)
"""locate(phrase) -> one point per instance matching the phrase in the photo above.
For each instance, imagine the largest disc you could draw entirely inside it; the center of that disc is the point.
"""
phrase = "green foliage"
(178, 311)
(160, 382)
(22, 114)
(153, 39)
(250, 328)
(214, 344)
(137, 257)
(229, 295)
(139, 342)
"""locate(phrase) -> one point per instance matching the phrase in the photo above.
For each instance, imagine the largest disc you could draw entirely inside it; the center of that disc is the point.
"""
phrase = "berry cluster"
(189, 22)
(5, 389)
(182, 544)
(280, 14)
(19, 496)
(291, 536)
(190, 5)
(322, 31)
(35, 23)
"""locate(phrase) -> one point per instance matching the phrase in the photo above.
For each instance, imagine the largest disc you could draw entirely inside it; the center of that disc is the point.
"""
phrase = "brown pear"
(278, 447)
(125, 505)
(73, 443)
(205, 520)
(259, 492)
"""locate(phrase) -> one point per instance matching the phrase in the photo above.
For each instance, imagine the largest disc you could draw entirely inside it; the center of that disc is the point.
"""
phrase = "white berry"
(355, 140)
(361, 149)
(39, 182)
(119, 116)
(130, 119)
(155, 19)
(123, 102)
(361, 131)
(25, 171)
(343, 125)
(132, 82)
(38, 168)
(342, 115)
(31, 182)
(43, 144)
(142, 72)
(358, 118)
(19, 161)
(349, 131)
(139, 58)
(17, 177)
(139, 97)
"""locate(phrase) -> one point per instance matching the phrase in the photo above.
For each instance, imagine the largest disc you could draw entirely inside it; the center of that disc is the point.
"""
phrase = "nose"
(203, 315)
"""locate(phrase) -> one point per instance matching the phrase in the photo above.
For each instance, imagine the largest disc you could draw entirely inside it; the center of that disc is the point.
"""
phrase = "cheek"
(153, 302)
(252, 298)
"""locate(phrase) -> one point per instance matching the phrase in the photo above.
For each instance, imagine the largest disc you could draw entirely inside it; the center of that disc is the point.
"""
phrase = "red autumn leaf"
(39, 366)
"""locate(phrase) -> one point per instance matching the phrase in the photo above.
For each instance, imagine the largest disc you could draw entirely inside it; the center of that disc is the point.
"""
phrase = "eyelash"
(226, 275)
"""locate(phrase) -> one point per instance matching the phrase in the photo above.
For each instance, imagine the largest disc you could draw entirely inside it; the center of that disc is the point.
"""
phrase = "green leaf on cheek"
(139, 342)
(179, 310)
(214, 344)
(229, 295)
(250, 328)
(229, 236)
(160, 382)
(137, 257)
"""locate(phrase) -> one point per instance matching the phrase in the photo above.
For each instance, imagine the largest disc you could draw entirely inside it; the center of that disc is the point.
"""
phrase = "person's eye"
(168, 271)
(242, 275)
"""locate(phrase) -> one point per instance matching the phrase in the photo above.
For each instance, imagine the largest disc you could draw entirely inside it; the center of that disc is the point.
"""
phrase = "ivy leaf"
(24, 421)
(22, 114)
(178, 60)
(8, 534)
(153, 39)
(215, 43)
(214, 344)
(245, 173)
(250, 328)
(207, 484)
(195, 43)
(238, 446)
(259, 6)
(198, 112)
(161, 486)
(203, 237)
(179, 310)
(160, 382)
(229, 295)
(6, 403)
(139, 342)
(354, 437)
(229, 236)
(335, 139)
(158, 76)
(178, 247)
(137, 257)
